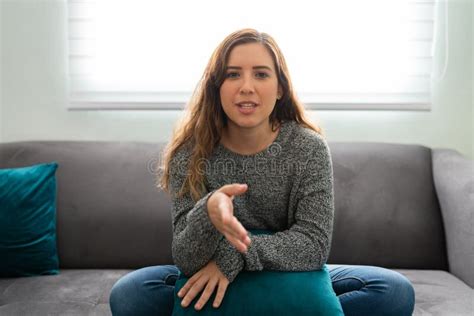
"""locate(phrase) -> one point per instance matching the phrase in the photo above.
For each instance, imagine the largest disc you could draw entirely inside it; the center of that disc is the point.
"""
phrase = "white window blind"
(137, 54)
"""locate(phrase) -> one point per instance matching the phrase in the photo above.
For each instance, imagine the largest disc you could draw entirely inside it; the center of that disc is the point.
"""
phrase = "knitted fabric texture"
(290, 192)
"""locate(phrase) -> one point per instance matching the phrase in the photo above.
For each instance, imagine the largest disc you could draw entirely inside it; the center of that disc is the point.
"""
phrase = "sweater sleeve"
(195, 238)
(305, 245)
(229, 261)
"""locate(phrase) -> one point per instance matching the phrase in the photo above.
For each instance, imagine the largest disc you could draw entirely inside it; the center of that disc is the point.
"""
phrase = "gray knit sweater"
(290, 192)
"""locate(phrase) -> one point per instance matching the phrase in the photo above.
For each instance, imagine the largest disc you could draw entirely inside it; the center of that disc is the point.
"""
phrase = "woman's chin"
(247, 123)
(244, 122)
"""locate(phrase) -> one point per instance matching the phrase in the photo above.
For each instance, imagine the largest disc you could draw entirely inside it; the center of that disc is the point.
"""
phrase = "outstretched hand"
(221, 213)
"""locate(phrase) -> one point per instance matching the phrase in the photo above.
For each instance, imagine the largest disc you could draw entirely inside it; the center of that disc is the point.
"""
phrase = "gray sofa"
(405, 207)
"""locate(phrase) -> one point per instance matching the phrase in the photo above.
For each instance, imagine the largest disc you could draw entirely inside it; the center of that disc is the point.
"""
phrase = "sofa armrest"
(454, 181)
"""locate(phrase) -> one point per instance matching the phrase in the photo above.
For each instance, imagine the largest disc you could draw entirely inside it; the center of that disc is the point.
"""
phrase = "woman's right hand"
(221, 213)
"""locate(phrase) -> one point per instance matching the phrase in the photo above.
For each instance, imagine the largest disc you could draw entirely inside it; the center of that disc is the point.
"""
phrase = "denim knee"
(399, 286)
(121, 296)
(147, 291)
(369, 290)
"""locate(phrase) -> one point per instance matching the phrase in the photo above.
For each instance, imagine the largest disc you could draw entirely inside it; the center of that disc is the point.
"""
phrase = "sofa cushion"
(262, 293)
(439, 293)
(86, 292)
(72, 292)
(28, 221)
(269, 293)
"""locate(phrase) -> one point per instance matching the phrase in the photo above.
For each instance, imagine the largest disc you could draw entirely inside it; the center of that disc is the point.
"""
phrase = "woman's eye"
(232, 75)
(262, 75)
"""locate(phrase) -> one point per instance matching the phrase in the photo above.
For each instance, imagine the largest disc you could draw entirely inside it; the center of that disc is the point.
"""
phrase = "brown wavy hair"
(204, 120)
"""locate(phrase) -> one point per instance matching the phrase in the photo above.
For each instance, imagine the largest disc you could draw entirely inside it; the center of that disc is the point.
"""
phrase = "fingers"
(208, 278)
(206, 294)
(223, 216)
(240, 246)
(232, 224)
(237, 243)
(234, 189)
(195, 289)
(235, 229)
(224, 219)
(220, 293)
(188, 284)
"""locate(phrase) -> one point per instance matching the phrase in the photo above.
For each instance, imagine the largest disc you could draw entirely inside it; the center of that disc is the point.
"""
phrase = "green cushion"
(270, 293)
(28, 221)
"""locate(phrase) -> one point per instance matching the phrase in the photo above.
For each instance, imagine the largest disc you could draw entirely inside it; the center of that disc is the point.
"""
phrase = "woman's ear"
(279, 92)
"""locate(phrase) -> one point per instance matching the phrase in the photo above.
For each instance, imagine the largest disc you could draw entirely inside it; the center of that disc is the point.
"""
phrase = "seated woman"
(246, 157)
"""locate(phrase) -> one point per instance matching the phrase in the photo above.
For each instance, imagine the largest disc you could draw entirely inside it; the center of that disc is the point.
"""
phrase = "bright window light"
(151, 54)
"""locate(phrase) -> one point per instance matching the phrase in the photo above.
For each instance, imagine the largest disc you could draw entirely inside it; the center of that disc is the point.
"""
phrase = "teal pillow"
(269, 293)
(28, 221)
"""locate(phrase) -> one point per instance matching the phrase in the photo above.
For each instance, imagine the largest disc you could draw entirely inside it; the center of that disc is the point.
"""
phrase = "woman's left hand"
(207, 278)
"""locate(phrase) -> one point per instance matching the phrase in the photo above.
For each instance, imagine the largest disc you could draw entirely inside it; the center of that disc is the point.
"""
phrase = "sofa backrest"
(386, 209)
(110, 213)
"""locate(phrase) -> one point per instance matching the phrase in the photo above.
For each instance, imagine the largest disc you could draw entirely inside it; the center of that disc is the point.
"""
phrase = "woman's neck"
(248, 141)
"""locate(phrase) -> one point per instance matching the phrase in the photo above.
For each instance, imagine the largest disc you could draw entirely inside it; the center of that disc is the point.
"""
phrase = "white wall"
(34, 91)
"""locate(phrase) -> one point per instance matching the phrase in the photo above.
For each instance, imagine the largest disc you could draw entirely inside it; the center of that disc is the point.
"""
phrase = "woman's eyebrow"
(254, 67)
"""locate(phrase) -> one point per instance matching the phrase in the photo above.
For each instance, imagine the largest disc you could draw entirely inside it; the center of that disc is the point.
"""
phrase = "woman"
(246, 157)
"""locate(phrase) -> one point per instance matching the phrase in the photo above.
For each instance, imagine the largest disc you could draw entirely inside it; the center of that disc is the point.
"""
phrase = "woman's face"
(250, 88)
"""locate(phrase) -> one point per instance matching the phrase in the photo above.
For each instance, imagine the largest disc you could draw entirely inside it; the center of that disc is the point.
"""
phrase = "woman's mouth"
(247, 107)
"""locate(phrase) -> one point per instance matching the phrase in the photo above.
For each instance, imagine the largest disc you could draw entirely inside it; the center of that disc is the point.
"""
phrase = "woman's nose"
(247, 86)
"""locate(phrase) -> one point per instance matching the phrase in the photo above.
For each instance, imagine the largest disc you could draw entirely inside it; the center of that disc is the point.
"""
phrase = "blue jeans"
(362, 290)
